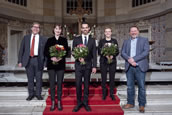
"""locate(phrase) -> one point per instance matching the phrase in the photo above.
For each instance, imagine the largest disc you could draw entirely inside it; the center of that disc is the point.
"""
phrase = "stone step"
(27, 110)
(150, 110)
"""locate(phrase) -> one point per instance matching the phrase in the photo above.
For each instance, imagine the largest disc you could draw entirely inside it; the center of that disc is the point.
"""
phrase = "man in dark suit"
(84, 70)
(31, 56)
(135, 51)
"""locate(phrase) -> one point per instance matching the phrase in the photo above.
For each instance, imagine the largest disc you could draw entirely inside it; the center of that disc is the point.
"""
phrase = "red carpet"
(98, 106)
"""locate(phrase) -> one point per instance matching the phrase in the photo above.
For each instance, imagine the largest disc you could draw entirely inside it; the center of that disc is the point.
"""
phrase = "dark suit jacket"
(142, 52)
(91, 59)
(24, 52)
(102, 42)
(51, 42)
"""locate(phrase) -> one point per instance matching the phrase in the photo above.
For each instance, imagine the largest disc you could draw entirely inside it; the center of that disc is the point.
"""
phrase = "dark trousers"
(104, 69)
(53, 75)
(79, 73)
(33, 71)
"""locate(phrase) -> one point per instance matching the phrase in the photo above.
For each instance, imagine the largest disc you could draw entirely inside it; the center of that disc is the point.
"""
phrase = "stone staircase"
(12, 101)
(159, 100)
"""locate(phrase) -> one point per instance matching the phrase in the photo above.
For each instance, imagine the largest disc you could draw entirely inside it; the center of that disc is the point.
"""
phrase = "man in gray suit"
(135, 52)
(31, 56)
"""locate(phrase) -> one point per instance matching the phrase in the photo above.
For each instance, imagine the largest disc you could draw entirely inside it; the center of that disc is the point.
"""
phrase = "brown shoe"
(127, 106)
(141, 109)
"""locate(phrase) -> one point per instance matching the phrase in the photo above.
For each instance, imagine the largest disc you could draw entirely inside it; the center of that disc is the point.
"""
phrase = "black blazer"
(102, 42)
(51, 42)
(24, 52)
(91, 59)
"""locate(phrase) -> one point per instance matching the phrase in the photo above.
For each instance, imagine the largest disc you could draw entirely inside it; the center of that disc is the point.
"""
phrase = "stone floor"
(12, 101)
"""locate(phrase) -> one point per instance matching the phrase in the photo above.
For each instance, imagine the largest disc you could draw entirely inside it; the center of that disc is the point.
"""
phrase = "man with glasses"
(31, 56)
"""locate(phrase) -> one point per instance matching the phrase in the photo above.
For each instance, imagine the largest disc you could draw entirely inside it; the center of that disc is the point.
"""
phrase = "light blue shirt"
(133, 47)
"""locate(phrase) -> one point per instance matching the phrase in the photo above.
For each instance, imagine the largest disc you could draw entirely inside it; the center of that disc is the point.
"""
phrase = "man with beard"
(84, 70)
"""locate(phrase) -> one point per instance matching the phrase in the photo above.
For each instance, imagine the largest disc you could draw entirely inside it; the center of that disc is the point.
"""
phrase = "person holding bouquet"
(56, 50)
(108, 50)
(84, 65)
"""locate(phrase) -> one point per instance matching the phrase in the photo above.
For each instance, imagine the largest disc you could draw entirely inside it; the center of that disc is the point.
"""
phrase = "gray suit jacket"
(142, 52)
(24, 52)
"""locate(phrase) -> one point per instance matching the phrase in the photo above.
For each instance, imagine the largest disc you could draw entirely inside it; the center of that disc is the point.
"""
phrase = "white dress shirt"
(83, 38)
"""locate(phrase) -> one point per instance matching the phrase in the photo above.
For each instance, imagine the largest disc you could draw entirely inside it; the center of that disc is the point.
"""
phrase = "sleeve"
(123, 52)
(94, 54)
(100, 47)
(117, 51)
(46, 50)
(66, 47)
(21, 51)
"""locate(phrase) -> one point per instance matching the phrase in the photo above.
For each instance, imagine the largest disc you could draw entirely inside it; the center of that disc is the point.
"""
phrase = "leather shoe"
(104, 97)
(77, 108)
(127, 106)
(59, 106)
(112, 97)
(141, 109)
(52, 106)
(87, 108)
(29, 98)
(39, 97)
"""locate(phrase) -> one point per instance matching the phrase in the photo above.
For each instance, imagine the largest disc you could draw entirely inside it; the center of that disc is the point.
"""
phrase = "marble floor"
(12, 101)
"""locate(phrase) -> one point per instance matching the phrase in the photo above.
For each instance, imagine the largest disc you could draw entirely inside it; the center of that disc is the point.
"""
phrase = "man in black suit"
(31, 56)
(84, 70)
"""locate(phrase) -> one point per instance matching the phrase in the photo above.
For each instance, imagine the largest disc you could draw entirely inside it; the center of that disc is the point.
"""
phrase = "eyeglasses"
(36, 27)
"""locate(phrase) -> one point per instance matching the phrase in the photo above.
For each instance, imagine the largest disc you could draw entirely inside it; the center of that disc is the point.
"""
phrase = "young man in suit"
(84, 70)
(135, 52)
(31, 56)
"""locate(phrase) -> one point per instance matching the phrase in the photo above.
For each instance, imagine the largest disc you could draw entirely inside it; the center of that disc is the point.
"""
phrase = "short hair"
(35, 23)
(107, 27)
(58, 26)
(85, 23)
(134, 26)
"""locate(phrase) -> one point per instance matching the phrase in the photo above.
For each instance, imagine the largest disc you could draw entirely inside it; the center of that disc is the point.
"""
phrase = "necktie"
(85, 42)
(32, 47)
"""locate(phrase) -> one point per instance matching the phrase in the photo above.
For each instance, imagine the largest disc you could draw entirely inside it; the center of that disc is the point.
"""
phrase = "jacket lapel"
(137, 45)
(129, 46)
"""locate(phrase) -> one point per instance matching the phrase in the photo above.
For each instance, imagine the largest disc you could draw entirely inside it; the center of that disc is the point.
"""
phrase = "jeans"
(134, 73)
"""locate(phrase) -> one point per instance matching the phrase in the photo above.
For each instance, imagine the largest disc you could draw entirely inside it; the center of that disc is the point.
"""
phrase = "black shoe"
(112, 97)
(29, 98)
(103, 97)
(39, 97)
(87, 108)
(52, 106)
(59, 106)
(77, 108)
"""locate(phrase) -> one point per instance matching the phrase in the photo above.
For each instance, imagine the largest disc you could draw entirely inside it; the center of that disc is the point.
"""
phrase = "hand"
(134, 64)
(107, 57)
(55, 59)
(111, 57)
(131, 60)
(20, 65)
(94, 70)
(81, 60)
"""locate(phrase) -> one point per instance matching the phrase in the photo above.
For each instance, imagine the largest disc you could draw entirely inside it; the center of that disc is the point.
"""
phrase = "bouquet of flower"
(81, 51)
(109, 49)
(57, 51)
